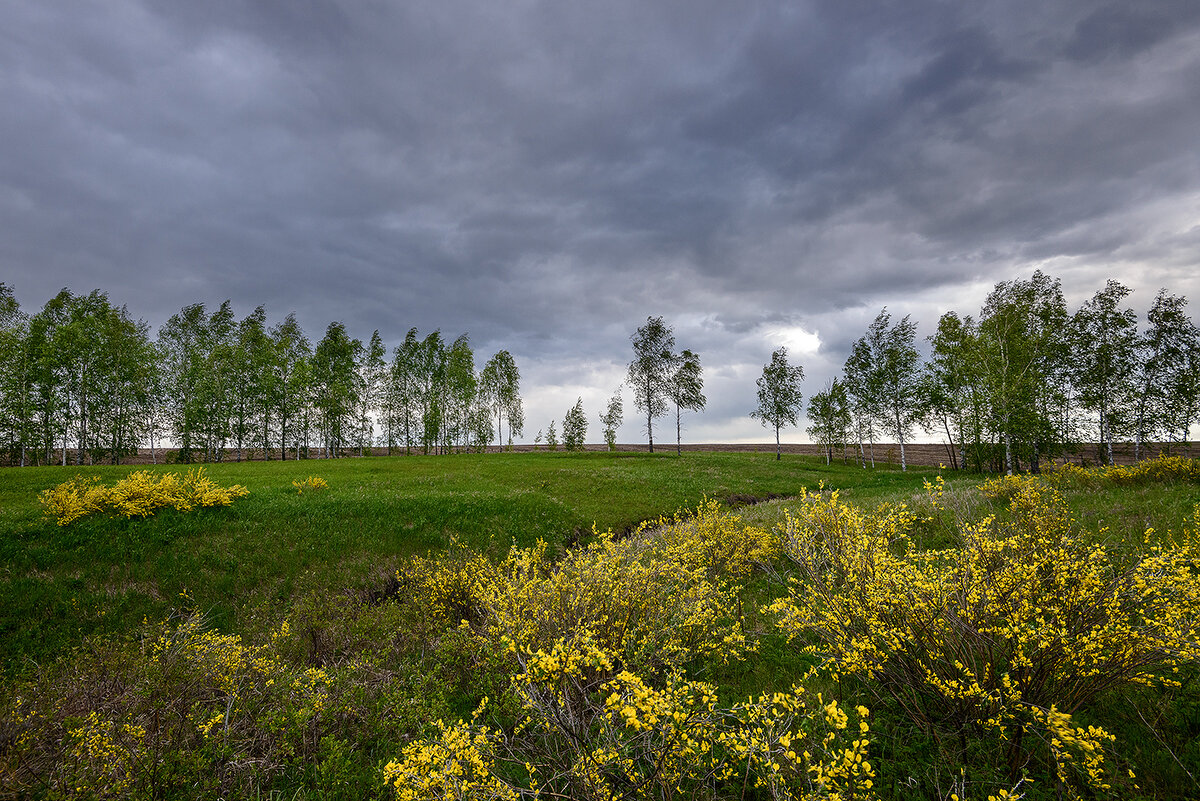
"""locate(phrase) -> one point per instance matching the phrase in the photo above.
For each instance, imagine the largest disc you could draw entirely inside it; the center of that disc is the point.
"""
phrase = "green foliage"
(575, 427)
(779, 397)
(1104, 343)
(1167, 373)
(651, 369)
(611, 420)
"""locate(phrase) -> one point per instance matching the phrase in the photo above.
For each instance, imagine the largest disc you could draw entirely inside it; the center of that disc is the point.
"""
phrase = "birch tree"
(779, 397)
(1166, 355)
(686, 391)
(829, 418)
(1021, 348)
(1104, 345)
(575, 426)
(650, 372)
(611, 419)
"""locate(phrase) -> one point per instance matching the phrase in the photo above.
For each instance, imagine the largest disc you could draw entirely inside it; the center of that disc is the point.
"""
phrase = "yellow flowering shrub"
(599, 639)
(632, 738)
(1161, 469)
(184, 712)
(140, 494)
(102, 756)
(714, 539)
(249, 692)
(459, 765)
(312, 484)
(451, 587)
(1024, 616)
(628, 596)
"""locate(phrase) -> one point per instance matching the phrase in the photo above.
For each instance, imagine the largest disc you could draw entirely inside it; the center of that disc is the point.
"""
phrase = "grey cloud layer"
(546, 175)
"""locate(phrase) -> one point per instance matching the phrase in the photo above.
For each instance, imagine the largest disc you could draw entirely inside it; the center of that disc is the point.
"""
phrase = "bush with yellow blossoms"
(140, 494)
(600, 640)
(634, 738)
(1002, 637)
(192, 712)
(310, 484)
(714, 538)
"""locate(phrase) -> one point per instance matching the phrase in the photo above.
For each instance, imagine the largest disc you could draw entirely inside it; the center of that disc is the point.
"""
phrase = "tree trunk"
(777, 454)
(1008, 455)
(678, 431)
(950, 448)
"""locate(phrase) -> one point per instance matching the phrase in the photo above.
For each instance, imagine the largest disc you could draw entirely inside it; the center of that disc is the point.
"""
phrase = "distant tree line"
(82, 382)
(1025, 381)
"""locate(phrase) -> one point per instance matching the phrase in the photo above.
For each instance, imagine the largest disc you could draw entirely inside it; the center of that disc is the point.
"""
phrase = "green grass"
(248, 562)
(312, 559)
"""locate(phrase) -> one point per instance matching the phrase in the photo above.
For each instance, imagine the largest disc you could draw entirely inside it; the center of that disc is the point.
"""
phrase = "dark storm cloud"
(547, 175)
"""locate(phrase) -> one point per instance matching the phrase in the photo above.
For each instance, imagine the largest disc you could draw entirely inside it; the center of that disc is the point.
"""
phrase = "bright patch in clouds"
(796, 339)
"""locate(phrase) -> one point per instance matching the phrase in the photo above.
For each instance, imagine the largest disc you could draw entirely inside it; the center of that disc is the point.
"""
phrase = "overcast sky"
(546, 175)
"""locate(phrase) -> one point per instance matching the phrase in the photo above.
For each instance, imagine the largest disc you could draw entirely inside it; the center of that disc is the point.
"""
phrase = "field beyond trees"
(310, 641)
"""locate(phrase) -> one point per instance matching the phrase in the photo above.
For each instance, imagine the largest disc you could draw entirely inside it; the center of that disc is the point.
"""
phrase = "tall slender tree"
(335, 385)
(372, 379)
(1104, 345)
(862, 382)
(501, 385)
(829, 417)
(461, 387)
(290, 352)
(1021, 354)
(654, 363)
(575, 426)
(14, 376)
(611, 419)
(686, 391)
(405, 395)
(953, 395)
(779, 397)
(1165, 355)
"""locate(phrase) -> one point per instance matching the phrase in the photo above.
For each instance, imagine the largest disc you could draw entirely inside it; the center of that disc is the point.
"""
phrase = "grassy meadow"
(303, 644)
(103, 575)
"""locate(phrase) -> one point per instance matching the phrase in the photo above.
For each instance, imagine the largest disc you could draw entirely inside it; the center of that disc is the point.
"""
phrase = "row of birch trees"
(82, 382)
(1024, 381)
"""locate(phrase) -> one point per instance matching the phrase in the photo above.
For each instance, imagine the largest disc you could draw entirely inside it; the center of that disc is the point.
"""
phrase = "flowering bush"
(649, 611)
(1162, 470)
(140, 494)
(599, 639)
(1022, 624)
(312, 484)
(714, 539)
(189, 708)
(636, 739)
